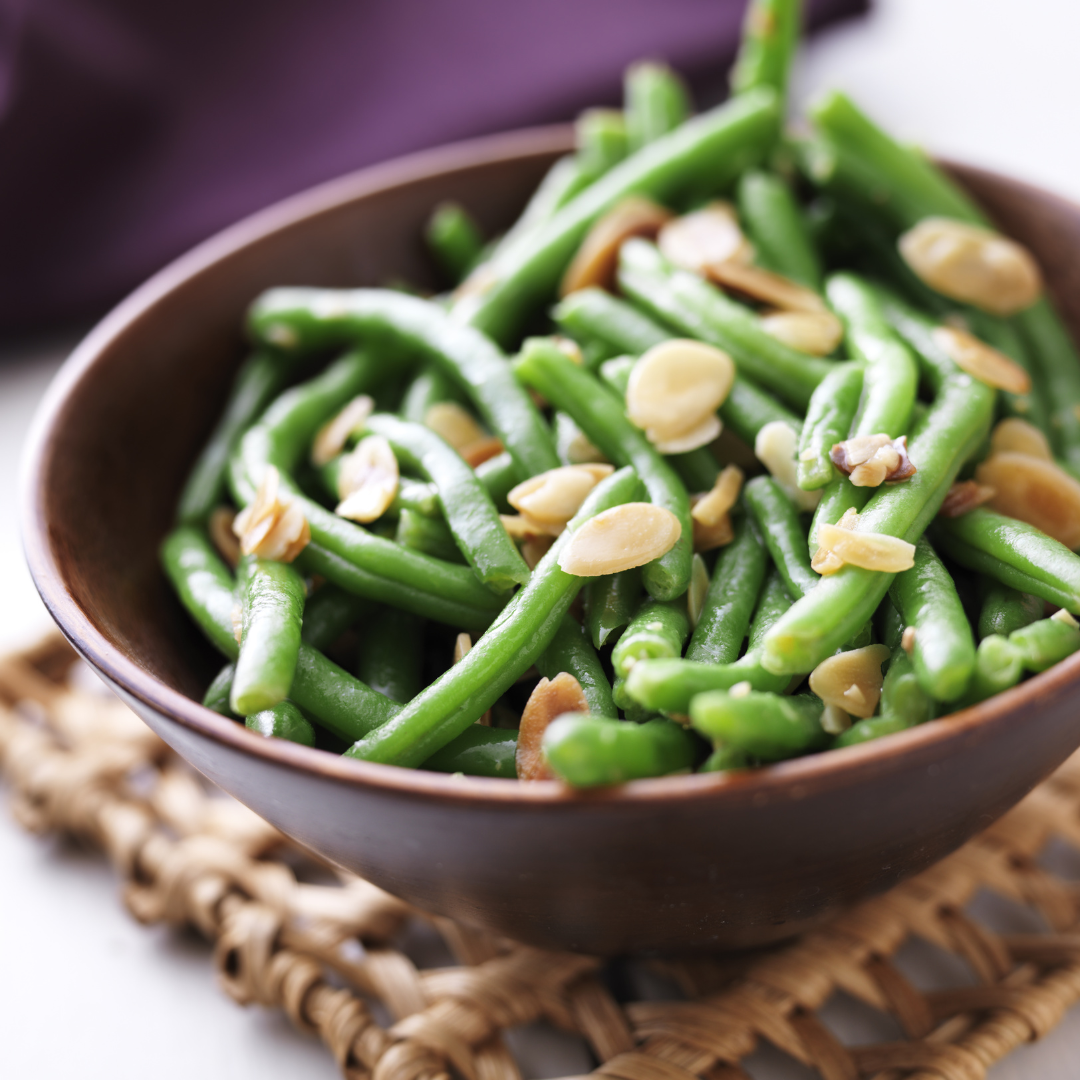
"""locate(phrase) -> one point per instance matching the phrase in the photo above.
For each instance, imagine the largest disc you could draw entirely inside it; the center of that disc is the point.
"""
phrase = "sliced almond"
(367, 480)
(476, 453)
(463, 644)
(834, 720)
(824, 562)
(708, 537)
(535, 548)
(555, 496)
(871, 551)
(981, 361)
(871, 460)
(816, 333)
(704, 238)
(697, 590)
(523, 527)
(963, 497)
(220, 527)
(621, 538)
(580, 450)
(273, 526)
(676, 386)
(455, 424)
(702, 435)
(907, 640)
(714, 505)
(851, 680)
(551, 698)
(1036, 491)
(1014, 434)
(598, 256)
(973, 264)
(773, 289)
(775, 448)
(333, 435)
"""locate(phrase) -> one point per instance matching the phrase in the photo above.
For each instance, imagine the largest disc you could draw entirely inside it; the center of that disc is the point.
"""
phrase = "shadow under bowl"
(681, 862)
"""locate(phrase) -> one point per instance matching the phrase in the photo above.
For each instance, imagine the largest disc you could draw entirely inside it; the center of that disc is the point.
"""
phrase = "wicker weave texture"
(324, 946)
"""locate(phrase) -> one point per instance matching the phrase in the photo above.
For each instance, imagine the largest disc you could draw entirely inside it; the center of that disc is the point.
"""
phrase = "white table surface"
(86, 991)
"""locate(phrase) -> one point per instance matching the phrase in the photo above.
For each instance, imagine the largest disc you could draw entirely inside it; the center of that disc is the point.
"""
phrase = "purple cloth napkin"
(130, 130)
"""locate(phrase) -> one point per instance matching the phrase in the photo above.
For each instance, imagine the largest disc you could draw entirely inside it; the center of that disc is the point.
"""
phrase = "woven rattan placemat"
(328, 948)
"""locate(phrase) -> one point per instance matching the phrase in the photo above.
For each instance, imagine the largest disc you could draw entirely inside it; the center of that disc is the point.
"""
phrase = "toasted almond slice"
(676, 386)
(973, 264)
(963, 497)
(708, 537)
(334, 434)
(699, 239)
(824, 562)
(769, 288)
(455, 424)
(711, 507)
(220, 527)
(851, 680)
(273, 526)
(816, 333)
(549, 699)
(596, 259)
(981, 361)
(871, 460)
(697, 590)
(871, 551)
(535, 548)
(1036, 491)
(482, 450)
(621, 538)
(1014, 434)
(834, 720)
(367, 480)
(555, 496)
(775, 448)
(702, 435)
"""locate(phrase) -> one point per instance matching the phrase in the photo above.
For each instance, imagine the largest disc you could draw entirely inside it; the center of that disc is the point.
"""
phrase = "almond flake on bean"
(676, 386)
(816, 333)
(476, 453)
(453, 423)
(367, 480)
(1019, 436)
(621, 538)
(220, 527)
(851, 680)
(871, 551)
(704, 238)
(708, 537)
(523, 527)
(334, 434)
(555, 496)
(824, 562)
(550, 699)
(535, 548)
(1039, 492)
(273, 526)
(711, 507)
(775, 448)
(981, 361)
(834, 720)
(963, 497)
(702, 435)
(974, 264)
(598, 256)
(871, 460)
(768, 287)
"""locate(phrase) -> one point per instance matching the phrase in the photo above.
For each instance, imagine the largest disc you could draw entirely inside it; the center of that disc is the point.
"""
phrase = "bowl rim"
(796, 778)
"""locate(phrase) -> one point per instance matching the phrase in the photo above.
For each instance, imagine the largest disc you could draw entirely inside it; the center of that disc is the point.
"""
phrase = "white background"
(83, 989)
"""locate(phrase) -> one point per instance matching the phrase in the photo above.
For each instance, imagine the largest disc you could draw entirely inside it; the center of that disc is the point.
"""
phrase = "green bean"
(998, 666)
(775, 224)
(467, 507)
(571, 651)
(1004, 610)
(431, 386)
(773, 602)
(565, 179)
(778, 521)
(768, 726)
(595, 315)
(328, 613)
(259, 380)
(282, 721)
(902, 693)
(874, 727)
(217, 693)
(841, 603)
(499, 476)
(770, 36)
(748, 409)
(595, 751)
(697, 469)
(478, 751)
(925, 597)
(726, 759)
(1014, 553)
(454, 240)
(656, 102)
(1044, 643)
(669, 685)
(698, 309)
(431, 536)
(602, 141)
(729, 603)
(521, 632)
(616, 373)
(659, 628)
(711, 148)
(305, 319)
(599, 413)
(272, 605)
(829, 417)
(610, 603)
(391, 655)
(889, 625)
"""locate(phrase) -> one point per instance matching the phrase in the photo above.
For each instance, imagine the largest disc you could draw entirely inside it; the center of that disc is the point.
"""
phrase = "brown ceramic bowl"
(668, 863)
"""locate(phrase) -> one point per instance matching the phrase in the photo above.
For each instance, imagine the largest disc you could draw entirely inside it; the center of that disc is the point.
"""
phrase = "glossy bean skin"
(778, 522)
(777, 227)
(874, 727)
(706, 152)
(1044, 643)
(829, 418)
(454, 240)
(571, 651)
(430, 386)
(770, 37)
(1004, 610)
(998, 666)
(658, 629)
(328, 613)
(926, 598)
(498, 475)
(272, 596)
(767, 726)
(669, 686)
(217, 693)
(655, 103)
(595, 751)
(520, 633)
(610, 603)
(467, 508)
(697, 469)
(902, 694)
(282, 721)
(602, 141)
(600, 414)
(432, 536)
(391, 653)
(478, 751)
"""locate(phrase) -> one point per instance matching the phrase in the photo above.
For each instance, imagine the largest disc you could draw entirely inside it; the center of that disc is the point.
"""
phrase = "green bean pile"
(404, 534)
